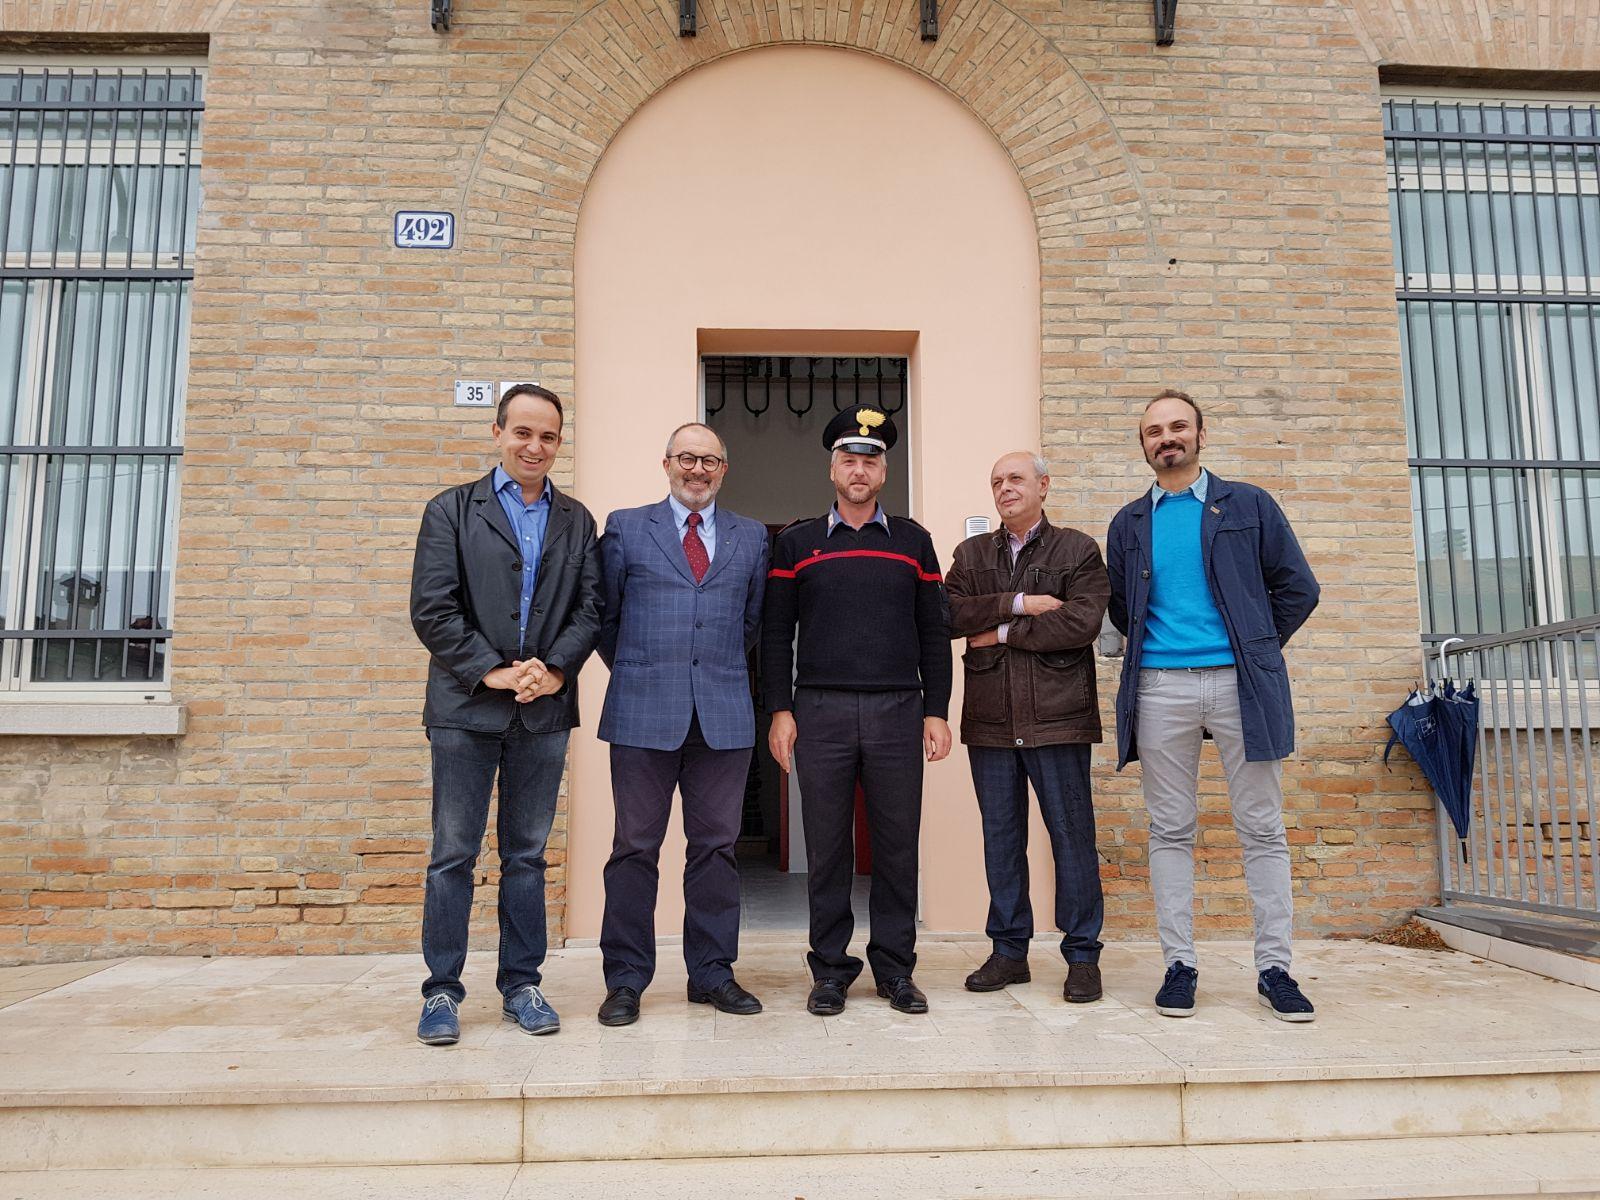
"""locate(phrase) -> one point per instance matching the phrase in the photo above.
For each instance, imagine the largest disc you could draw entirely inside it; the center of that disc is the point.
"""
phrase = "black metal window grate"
(800, 384)
(1495, 216)
(99, 189)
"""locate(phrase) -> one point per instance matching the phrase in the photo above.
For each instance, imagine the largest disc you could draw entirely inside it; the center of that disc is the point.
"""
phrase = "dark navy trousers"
(642, 783)
(1060, 778)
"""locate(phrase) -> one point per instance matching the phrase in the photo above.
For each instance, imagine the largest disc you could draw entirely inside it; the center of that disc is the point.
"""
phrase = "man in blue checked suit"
(683, 582)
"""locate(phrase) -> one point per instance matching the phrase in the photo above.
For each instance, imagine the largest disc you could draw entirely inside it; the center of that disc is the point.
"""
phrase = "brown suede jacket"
(1038, 687)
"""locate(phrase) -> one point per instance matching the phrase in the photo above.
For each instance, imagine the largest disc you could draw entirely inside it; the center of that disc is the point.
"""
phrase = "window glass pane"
(12, 514)
(98, 187)
(1577, 535)
(1460, 397)
(72, 392)
(1571, 404)
(16, 330)
(105, 562)
(1473, 561)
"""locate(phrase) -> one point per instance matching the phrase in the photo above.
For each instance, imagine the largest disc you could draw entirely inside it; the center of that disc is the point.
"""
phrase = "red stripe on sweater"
(924, 576)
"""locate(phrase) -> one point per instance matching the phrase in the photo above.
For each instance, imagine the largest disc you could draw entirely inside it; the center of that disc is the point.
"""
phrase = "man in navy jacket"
(683, 580)
(1208, 584)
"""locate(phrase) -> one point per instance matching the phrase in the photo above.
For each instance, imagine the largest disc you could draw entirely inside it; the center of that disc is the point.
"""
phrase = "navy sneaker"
(1283, 996)
(441, 1021)
(1176, 997)
(531, 1011)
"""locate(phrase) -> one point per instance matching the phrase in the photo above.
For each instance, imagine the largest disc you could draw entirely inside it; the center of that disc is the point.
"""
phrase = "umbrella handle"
(1444, 648)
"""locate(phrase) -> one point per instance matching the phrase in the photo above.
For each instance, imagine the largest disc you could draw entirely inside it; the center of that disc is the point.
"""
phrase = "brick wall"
(1212, 214)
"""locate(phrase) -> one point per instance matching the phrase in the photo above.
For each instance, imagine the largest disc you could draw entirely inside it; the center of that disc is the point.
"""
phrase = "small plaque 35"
(424, 230)
(475, 393)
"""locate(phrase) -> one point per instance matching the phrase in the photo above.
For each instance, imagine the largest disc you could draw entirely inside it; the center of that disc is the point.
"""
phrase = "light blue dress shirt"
(835, 520)
(1198, 487)
(708, 524)
(528, 522)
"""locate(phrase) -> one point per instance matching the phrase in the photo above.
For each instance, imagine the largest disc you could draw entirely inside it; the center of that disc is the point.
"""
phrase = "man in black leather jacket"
(505, 594)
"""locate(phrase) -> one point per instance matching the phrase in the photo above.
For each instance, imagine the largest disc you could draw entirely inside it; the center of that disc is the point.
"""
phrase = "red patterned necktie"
(695, 550)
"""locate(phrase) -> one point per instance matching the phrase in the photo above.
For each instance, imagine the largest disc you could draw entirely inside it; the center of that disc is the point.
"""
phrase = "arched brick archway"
(523, 196)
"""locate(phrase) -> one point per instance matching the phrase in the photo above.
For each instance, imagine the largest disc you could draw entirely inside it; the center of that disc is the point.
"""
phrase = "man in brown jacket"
(1029, 599)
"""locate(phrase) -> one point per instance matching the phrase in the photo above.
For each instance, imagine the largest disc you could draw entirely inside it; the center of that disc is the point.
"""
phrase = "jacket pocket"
(1265, 652)
(988, 696)
(1061, 684)
(1044, 581)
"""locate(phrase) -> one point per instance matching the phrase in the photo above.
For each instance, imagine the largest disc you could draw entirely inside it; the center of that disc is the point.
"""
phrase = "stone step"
(1007, 1104)
(1392, 1169)
(250, 1062)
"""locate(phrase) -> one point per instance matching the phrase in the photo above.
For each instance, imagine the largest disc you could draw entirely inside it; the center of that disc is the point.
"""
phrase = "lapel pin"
(1216, 510)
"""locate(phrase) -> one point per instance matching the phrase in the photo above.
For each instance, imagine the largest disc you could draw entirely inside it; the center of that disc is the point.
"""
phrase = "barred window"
(99, 187)
(1495, 215)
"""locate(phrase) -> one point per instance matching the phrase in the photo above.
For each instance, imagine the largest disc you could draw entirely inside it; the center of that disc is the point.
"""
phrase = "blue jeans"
(465, 764)
(1060, 776)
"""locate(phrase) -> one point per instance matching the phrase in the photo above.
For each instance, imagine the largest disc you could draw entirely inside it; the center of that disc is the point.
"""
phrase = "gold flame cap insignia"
(868, 420)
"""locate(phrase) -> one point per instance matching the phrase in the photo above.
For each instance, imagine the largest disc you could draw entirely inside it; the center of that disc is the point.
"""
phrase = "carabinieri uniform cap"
(860, 429)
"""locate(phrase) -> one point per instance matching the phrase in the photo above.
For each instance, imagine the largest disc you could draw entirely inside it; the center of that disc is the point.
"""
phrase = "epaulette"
(793, 523)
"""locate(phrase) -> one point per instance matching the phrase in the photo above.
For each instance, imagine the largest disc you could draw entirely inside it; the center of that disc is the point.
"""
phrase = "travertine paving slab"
(368, 1133)
(1422, 1106)
(475, 1181)
(1549, 1164)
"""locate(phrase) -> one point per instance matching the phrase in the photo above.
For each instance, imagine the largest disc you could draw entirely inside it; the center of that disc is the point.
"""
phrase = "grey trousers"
(1176, 707)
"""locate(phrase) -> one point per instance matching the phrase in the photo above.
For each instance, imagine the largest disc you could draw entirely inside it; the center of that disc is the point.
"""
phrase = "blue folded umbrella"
(1439, 726)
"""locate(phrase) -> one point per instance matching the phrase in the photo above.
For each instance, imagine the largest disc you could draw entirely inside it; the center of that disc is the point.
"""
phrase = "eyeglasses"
(690, 461)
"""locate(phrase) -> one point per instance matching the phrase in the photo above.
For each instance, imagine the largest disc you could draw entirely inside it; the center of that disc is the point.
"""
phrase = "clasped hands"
(1032, 606)
(528, 678)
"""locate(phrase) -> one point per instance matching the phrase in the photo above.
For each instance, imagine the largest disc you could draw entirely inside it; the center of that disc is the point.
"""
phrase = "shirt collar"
(835, 520)
(1012, 539)
(502, 481)
(1198, 487)
(680, 513)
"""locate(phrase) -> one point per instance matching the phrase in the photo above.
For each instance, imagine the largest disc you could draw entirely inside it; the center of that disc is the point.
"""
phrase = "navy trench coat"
(1262, 586)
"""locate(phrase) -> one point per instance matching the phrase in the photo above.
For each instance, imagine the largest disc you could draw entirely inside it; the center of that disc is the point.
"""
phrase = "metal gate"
(1534, 839)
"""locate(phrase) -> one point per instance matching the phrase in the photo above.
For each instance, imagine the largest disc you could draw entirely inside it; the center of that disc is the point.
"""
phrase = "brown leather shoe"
(996, 972)
(1083, 983)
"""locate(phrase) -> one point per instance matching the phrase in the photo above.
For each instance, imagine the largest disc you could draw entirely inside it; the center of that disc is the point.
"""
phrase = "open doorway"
(770, 410)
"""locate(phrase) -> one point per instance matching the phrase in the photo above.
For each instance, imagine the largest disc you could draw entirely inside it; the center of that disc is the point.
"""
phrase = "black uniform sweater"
(871, 608)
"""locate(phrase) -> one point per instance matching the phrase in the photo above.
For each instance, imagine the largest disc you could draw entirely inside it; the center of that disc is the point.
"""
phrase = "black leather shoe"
(903, 995)
(1083, 983)
(996, 972)
(726, 997)
(826, 998)
(621, 1007)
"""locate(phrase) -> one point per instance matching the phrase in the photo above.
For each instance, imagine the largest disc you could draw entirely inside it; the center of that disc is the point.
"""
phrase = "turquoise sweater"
(1183, 628)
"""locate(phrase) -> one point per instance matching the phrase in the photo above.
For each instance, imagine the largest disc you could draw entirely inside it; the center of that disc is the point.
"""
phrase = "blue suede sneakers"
(531, 1011)
(441, 1021)
(1176, 997)
(1283, 996)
